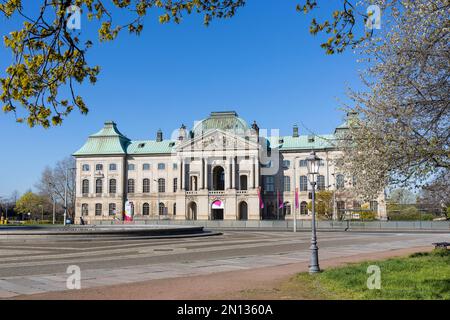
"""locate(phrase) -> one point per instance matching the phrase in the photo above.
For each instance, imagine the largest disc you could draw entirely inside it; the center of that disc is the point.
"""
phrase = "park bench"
(441, 245)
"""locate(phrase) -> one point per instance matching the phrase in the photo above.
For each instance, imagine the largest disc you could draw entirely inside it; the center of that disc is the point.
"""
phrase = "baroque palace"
(221, 169)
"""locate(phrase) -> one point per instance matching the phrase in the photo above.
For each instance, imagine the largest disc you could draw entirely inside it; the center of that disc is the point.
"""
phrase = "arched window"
(99, 186)
(112, 167)
(98, 209)
(320, 182)
(174, 209)
(162, 209)
(85, 167)
(84, 209)
(146, 166)
(146, 209)
(146, 185)
(161, 185)
(112, 209)
(303, 183)
(130, 186)
(98, 167)
(303, 208)
(112, 186)
(85, 186)
(339, 181)
(287, 184)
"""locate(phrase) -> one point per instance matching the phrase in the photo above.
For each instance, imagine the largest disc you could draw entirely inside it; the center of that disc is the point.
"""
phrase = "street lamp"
(313, 163)
(157, 206)
(66, 184)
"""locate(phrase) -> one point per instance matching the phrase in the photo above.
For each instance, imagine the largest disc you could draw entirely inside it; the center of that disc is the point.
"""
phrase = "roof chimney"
(159, 136)
(295, 131)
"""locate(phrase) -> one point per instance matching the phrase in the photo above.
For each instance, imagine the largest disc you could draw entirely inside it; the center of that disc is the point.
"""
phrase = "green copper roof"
(226, 120)
(151, 147)
(304, 142)
(108, 140)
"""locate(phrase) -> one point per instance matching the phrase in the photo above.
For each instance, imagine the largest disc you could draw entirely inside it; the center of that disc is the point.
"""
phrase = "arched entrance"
(218, 178)
(217, 208)
(243, 211)
(192, 211)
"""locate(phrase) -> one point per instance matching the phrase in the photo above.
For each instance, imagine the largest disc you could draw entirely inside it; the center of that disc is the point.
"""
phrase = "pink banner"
(261, 203)
(296, 198)
(280, 201)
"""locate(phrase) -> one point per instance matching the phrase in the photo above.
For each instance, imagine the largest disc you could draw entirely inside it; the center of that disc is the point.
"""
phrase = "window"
(85, 186)
(84, 209)
(302, 163)
(161, 166)
(146, 209)
(175, 184)
(98, 209)
(374, 206)
(112, 167)
(303, 208)
(303, 183)
(320, 182)
(146, 185)
(130, 186)
(340, 206)
(287, 184)
(112, 186)
(99, 186)
(175, 166)
(270, 184)
(112, 209)
(339, 181)
(243, 182)
(85, 167)
(161, 185)
(98, 167)
(130, 167)
(356, 205)
(286, 164)
(174, 209)
(146, 166)
(162, 209)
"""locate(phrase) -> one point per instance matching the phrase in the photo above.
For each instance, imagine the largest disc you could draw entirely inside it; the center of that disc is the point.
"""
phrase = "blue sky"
(263, 63)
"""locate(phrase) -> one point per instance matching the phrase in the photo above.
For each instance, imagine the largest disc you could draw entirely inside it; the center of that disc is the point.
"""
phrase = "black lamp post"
(313, 163)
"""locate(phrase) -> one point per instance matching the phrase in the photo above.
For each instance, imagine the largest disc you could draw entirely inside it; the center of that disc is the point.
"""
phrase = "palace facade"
(221, 169)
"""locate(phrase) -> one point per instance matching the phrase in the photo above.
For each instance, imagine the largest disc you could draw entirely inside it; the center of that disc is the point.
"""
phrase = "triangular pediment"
(216, 140)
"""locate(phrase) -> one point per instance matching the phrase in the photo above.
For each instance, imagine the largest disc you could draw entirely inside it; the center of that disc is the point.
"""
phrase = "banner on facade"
(129, 211)
(218, 204)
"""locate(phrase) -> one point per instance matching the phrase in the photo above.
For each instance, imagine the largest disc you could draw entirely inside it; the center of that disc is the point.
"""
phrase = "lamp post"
(52, 186)
(295, 193)
(157, 206)
(313, 163)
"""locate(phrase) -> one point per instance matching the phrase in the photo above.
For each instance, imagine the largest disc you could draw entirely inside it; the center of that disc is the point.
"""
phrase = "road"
(40, 266)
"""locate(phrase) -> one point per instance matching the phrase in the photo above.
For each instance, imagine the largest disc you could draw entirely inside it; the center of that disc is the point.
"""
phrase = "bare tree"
(53, 180)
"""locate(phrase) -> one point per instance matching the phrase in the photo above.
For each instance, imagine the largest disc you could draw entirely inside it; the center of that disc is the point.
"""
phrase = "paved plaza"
(30, 267)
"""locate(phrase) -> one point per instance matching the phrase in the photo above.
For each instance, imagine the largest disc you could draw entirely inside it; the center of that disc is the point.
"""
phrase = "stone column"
(257, 173)
(233, 173)
(205, 175)
(252, 174)
(227, 173)
(202, 175)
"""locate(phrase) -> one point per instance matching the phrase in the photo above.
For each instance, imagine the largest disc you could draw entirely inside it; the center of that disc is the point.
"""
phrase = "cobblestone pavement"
(41, 266)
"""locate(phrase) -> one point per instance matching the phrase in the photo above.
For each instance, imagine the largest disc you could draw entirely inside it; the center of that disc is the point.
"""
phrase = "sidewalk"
(221, 285)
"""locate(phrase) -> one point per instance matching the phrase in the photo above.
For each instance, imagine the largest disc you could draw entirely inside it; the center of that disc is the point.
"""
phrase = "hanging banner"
(296, 198)
(129, 211)
(218, 204)
(261, 203)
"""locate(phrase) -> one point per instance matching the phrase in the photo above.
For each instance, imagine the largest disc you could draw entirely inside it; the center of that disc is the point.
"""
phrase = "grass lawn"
(419, 276)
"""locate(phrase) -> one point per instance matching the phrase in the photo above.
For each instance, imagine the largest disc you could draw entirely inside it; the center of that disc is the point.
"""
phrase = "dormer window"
(311, 139)
(141, 145)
